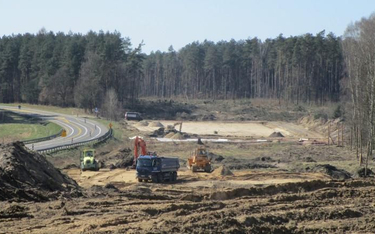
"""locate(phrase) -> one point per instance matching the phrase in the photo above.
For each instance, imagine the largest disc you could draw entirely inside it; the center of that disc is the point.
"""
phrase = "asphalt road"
(78, 129)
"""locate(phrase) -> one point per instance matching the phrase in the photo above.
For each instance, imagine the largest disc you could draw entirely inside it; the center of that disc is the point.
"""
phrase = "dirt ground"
(239, 129)
(269, 187)
(200, 203)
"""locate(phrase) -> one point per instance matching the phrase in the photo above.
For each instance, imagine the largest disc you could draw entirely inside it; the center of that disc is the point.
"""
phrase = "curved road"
(78, 129)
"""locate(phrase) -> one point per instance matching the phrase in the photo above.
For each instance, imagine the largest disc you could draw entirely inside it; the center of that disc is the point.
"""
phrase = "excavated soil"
(28, 176)
(156, 125)
(276, 134)
(169, 135)
(303, 207)
(142, 123)
(222, 171)
(178, 136)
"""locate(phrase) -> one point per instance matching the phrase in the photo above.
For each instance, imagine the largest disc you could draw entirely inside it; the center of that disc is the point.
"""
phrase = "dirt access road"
(124, 178)
(233, 129)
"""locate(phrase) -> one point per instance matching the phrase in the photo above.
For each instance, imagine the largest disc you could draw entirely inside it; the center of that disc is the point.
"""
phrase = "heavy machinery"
(199, 160)
(173, 127)
(139, 144)
(87, 160)
(157, 169)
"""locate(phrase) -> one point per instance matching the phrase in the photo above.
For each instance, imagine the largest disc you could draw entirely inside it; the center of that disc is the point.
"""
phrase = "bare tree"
(359, 52)
(110, 107)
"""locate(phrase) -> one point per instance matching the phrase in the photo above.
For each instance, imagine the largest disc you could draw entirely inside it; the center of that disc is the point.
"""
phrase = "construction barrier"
(43, 138)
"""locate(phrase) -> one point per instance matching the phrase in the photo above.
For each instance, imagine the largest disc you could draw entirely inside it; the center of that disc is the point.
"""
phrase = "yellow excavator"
(199, 160)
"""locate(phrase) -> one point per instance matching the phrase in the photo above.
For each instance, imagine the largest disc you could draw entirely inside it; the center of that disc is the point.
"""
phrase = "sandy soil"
(124, 178)
(290, 203)
(241, 129)
(287, 198)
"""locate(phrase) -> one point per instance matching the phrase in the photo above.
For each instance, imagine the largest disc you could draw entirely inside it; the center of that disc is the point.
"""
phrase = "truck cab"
(156, 169)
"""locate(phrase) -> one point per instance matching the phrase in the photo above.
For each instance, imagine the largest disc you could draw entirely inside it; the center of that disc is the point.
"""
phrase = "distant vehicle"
(133, 116)
(157, 169)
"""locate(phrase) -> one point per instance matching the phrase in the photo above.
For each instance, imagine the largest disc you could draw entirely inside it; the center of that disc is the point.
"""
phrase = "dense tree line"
(68, 69)
(359, 54)
(86, 70)
(297, 69)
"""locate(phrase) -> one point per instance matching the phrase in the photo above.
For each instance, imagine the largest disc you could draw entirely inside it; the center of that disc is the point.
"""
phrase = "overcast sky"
(161, 23)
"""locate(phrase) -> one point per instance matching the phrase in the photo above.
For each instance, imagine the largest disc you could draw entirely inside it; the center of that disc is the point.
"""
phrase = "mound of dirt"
(222, 171)
(169, 135)
(276, 134)
(158, 133)
(126, 160)
(215, 158)
(156, 125)
(362, 173)
(178, 136)
(71, 166)
(332, 171)
(28, 176)
(142, 123)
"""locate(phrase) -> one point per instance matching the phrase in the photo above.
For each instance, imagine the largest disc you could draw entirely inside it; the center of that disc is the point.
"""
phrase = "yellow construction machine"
(199, 160)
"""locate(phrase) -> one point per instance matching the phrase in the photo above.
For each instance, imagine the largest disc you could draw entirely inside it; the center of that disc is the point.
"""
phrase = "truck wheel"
(194, 168)
(140, 180)
(207, 168)
(154, 179)
(160, 178)
(174, 176)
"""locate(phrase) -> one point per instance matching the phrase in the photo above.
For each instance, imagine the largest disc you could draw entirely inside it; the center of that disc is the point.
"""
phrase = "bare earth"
(240, 129)
(286, 198)
(247, 202)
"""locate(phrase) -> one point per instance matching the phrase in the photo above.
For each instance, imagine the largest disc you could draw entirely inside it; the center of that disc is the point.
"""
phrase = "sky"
(162, 23)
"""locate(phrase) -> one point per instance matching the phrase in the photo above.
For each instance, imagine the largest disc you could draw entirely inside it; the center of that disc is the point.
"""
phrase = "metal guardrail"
(73, 145)
(43, 138)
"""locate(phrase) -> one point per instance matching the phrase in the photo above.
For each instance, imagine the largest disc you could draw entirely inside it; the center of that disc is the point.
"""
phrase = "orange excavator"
(139, 143)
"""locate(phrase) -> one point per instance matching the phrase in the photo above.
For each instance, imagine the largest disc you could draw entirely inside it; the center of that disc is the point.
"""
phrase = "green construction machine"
(88, 161)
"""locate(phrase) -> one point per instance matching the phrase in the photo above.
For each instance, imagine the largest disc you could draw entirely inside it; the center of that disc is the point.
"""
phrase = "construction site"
(299, 176)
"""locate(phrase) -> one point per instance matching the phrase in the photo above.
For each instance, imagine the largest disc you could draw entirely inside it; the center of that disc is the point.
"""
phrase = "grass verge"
(16, 127)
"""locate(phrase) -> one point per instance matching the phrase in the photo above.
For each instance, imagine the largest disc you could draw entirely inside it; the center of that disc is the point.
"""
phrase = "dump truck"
(199, 160)
(87, 160)
(157, 169)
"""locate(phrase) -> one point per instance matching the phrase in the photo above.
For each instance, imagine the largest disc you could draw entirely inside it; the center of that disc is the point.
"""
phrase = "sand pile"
(142, 123)
(222, 171)
(156, 125)
(177, 136)
(169, 135)
(28, 176)
(276, 134)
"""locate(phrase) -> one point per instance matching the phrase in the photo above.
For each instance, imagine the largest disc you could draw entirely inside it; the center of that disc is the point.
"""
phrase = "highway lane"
(78, 129)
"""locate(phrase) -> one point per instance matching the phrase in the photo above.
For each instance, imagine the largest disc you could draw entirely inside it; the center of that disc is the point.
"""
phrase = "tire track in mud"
(313, 206)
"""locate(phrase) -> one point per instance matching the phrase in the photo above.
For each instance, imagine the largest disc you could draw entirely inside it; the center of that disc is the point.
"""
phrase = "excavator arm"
(139, 143)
